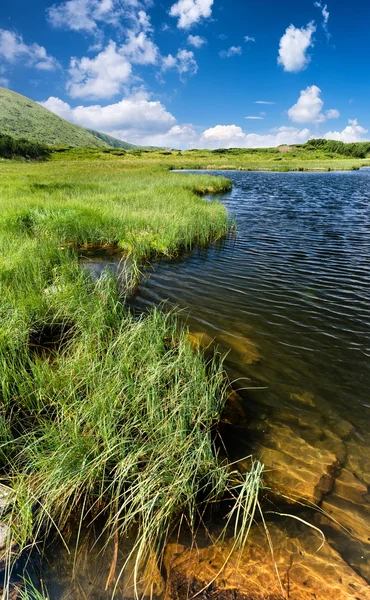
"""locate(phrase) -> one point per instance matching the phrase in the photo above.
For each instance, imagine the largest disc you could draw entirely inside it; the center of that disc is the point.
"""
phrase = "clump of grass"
(118, 425)
(117, 421)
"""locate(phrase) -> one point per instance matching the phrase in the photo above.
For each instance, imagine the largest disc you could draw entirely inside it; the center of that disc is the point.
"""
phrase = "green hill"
(21, 117)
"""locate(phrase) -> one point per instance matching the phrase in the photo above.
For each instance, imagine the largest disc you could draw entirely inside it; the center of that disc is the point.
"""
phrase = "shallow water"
(287, 296)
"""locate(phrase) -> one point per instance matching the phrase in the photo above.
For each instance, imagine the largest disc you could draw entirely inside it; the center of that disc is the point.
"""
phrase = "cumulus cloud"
(184, 62)
(332, 113)
(190, 12)
(13, 49)
(105, 75)
(99, 77)
(132, 119)
(85, 15)
(352, 133)
(196, 40)
(232, 136)
(248, 38)
(308, 108)
(140, 49)
(293, 48)
(233, 51)
(140, 120)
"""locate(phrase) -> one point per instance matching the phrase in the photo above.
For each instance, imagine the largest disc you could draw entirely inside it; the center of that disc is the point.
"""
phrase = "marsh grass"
(104, 415)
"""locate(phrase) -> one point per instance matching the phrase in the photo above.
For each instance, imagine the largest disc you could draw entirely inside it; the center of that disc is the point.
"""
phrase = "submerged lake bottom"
(286, 297)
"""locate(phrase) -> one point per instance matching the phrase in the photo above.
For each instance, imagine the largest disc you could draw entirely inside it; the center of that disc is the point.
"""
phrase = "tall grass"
(103, 414)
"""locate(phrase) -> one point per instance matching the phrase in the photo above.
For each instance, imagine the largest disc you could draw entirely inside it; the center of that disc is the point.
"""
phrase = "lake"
(287, 295)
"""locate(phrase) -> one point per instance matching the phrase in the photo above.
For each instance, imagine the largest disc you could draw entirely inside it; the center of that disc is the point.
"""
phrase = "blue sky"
(194, 73)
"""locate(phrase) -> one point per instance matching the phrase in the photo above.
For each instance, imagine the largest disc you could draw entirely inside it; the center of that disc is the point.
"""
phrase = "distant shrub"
(12, 147)
(355, 149)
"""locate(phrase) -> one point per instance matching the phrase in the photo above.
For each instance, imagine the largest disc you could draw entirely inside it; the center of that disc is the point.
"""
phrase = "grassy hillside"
(21, 117)
(111, 141)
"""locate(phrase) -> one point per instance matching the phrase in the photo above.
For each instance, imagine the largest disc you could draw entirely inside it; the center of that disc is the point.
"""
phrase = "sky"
(194, 73)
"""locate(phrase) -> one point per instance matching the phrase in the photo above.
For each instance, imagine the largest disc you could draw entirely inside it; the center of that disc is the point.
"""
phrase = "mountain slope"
(23, 118)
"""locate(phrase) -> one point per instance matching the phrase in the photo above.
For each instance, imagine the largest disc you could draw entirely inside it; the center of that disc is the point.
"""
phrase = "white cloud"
(308, 108)
(99, 77)
(232, 136)
(325, 14)
(140, 49)
(293, 48)
(105, 75)
(4, 82)
(233, 51)
(13, 49)
(264, 102)
(84, 15)
(133, 119)
(352, 133)
(179, 136)
(196, 40)
(139, 120)
(184, 62)
(190, 12)
(252, 118)
(247, 38)
(332, 113)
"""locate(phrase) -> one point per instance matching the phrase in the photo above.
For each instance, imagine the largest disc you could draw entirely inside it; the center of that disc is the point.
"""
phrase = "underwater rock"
(241, 348)
(199, 339)
(304, 398)
(306, 571)
(294, 468)
(359, 459)
(355, 518)
(348, 487)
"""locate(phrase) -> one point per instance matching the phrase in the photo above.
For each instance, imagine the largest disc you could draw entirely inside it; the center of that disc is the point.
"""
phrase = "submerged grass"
(102, 414)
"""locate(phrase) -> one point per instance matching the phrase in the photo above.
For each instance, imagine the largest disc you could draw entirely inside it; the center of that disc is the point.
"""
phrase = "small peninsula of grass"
(104, 414)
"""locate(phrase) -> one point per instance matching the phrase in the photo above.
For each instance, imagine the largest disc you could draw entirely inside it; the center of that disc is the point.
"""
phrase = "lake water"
(288, 296)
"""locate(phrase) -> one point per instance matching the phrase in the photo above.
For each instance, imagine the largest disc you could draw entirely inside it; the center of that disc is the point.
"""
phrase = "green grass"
(301, 158)
(21, 117)
(103, 414)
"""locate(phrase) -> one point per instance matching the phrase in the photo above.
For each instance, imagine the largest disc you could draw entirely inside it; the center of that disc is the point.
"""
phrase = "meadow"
(105, 414)
(316, 155)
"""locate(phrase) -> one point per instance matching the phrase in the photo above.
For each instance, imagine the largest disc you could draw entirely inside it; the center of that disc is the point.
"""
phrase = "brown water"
(288, 298)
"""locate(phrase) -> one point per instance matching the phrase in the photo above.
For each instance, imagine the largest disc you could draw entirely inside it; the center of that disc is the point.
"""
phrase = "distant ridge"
(21, 117)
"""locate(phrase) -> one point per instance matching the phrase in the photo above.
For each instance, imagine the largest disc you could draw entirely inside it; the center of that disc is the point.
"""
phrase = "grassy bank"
(102, 413)
(297, 158)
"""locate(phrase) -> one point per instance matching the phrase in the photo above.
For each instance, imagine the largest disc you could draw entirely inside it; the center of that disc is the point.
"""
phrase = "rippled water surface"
(295, 279)
(293, 284)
